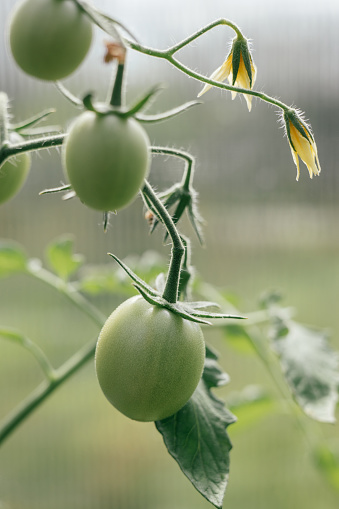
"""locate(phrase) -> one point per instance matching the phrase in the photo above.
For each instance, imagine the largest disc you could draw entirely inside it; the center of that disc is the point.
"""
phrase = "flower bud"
(238, 68)
(301, 142)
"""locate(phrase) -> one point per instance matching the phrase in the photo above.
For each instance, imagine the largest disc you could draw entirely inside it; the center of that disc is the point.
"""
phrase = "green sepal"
(186, 199)
(207, 314)
(143, 101)
(247, 59)
(54, 190)
(99, 108)
(166, 114)
(236, 53)
(195, 218)
(68, 95)
(31, 121)
(202, 304)
(177, 308)
(288, 131)
(292, 116)
(134, 277)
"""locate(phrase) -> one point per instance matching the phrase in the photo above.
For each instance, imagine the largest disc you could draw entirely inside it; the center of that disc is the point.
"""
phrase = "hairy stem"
(30, 145)
(178, 250)
(189, 172)
(202, 31)
(168, 55)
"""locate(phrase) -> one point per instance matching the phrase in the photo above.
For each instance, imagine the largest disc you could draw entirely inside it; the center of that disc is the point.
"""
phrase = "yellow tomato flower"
(301, 142)
(238, 68)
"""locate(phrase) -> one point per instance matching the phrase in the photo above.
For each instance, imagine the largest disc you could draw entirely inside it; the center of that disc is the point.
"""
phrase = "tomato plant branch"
(168, 55)
(28, 405)
(30, 145)
(207, 28)
(57, 376)
(189, 171)
(172, 282)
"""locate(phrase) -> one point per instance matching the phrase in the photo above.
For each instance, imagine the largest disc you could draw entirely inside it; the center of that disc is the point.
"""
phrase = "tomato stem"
(178, 250)
(168, 55)
(30, 145)
(45, 389)
(117, 92)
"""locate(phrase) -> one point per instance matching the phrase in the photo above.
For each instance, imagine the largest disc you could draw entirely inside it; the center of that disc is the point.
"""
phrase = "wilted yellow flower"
(301, 142)
(238, 68)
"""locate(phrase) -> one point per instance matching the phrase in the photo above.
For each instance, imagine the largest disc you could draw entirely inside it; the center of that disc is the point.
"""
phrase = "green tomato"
(13, 172)
(49, 38)
(106, 159)
(148, 360)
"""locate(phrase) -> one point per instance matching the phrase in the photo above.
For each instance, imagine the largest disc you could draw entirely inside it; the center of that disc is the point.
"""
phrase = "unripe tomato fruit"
(13, 172)
(49, 38)
(106, 159)
(148, 360)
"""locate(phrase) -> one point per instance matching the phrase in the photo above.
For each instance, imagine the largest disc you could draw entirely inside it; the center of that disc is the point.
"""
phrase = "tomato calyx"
(102, 109)
(196, 311)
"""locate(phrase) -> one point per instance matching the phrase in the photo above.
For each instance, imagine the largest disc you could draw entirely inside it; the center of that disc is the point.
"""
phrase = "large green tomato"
(106, 159)
(49, 38)
(148, 360)
(13, 172)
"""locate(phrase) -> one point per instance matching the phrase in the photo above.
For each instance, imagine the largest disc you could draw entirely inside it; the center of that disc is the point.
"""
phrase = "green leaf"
(166, 114)
(61, 257)
(310, 367)
(327, 460)
(13, 258)
(196, 436)
(238, 338)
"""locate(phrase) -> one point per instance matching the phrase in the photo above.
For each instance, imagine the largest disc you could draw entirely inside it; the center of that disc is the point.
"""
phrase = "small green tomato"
(106, 159)
(49, 38)
(148, 360)
(13, 172)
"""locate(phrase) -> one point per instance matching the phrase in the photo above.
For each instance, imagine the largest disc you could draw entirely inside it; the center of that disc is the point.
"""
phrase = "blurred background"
(263, 231)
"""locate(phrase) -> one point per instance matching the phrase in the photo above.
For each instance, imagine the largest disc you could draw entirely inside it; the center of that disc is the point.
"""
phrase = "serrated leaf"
(327, 460)
(197, 439)
(13, 258)
(61, 256)
(238, 338)
(310, 367)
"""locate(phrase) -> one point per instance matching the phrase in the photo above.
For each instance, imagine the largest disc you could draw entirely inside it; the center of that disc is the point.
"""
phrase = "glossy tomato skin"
(148, 360)
(106, 159)
(13, 172)
(49, 38)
